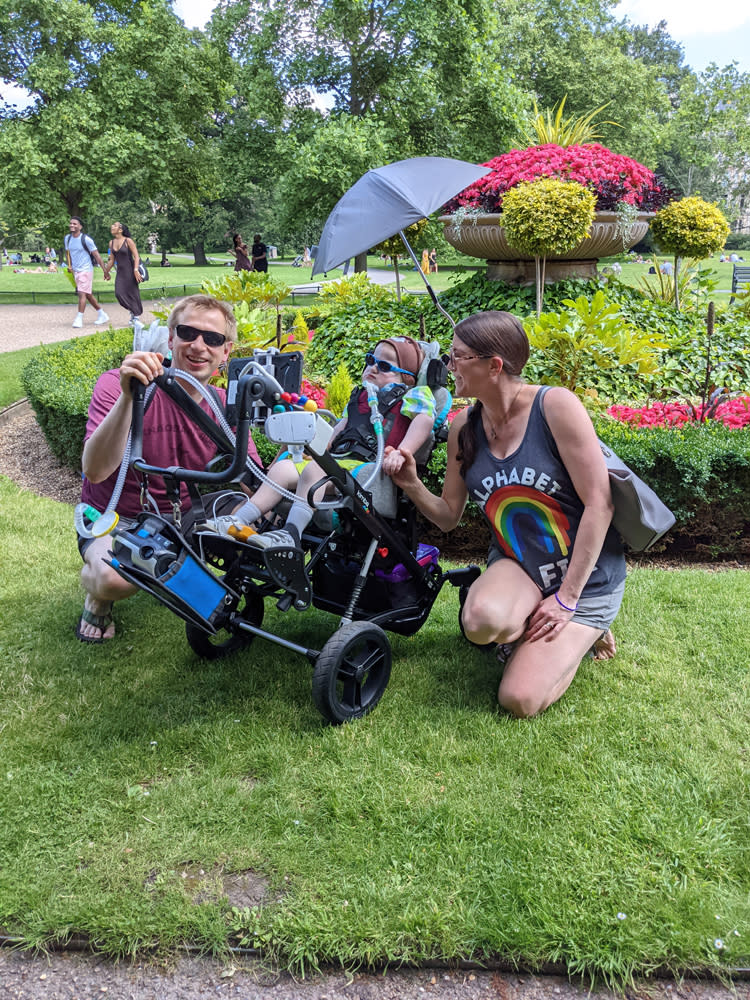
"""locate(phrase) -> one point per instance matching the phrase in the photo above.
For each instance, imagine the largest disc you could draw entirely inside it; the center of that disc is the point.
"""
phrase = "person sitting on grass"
(392, 367)
(202, 330)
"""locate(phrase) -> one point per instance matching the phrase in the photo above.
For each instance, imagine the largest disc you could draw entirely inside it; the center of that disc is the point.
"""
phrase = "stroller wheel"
(463, 591)
(351, 672)
(224, 642)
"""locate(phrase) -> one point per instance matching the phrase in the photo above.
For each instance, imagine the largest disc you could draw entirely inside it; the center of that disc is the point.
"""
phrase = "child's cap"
(409, 354)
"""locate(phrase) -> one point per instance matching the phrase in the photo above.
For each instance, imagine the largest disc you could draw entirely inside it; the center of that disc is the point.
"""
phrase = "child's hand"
(405, 475)
(393, 461)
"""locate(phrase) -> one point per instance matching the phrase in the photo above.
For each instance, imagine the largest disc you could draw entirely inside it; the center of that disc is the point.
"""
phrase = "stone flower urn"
(482, 236)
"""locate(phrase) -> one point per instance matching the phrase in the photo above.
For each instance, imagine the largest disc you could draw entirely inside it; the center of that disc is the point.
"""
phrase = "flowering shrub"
(612, 178)
(733, 413)
(313, 392)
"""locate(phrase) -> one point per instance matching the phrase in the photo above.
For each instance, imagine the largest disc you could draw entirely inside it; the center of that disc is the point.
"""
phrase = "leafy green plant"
(253, 290)
(339, 390)
(544, 128)
(690, 227)
(355, 324)
(589, 334)
(544, 217)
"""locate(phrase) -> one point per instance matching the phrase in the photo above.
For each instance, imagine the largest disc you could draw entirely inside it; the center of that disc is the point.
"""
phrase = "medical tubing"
(376, 418)
(78, 513)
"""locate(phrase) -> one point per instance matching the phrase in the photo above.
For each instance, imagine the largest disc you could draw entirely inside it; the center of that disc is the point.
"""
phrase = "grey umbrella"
(386, 200)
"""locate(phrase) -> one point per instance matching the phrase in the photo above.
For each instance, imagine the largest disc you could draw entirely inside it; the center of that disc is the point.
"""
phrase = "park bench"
(740, 275)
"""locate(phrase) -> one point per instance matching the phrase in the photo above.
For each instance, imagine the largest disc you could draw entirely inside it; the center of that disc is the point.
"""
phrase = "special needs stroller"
(363, 561)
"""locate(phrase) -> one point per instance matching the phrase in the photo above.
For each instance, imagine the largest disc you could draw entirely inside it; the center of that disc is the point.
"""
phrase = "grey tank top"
(534, 511)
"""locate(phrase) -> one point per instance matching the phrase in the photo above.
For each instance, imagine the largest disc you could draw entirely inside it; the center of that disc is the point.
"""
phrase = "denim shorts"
(597, 611)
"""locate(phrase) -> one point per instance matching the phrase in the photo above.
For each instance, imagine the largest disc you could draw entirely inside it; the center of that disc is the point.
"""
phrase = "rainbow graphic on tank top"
(519, 512)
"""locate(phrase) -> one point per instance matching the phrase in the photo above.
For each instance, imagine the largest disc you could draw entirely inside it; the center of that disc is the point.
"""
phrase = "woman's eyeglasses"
(453, 359)
(210, 337)
(384, 366)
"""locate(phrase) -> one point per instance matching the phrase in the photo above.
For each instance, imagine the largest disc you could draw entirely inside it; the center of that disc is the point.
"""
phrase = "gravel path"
(29, 326)
(73, 976)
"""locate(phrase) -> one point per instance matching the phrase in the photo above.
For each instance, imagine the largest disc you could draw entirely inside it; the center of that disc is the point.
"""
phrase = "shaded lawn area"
(610, 834)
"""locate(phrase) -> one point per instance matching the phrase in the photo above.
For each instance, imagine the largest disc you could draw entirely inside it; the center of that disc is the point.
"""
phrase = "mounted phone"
(284, 366)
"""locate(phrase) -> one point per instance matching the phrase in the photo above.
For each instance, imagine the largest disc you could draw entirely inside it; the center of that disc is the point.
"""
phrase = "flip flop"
(98, 621)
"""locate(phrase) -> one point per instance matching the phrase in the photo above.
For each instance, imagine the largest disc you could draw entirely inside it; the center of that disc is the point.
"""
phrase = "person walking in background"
(425, 265)
(433, 262)
(260, 254)
(82, 254)
(239, 250)
(123, 255)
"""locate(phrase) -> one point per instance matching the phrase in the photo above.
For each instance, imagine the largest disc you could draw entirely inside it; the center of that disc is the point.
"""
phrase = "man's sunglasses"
(210, 337)
(384, 366)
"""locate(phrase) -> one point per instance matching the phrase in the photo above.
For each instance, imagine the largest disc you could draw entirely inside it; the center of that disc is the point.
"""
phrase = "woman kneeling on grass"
(529, 456)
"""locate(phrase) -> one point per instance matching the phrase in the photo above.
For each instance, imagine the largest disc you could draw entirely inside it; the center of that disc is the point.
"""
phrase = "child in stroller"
(408, 409)
(364, 563)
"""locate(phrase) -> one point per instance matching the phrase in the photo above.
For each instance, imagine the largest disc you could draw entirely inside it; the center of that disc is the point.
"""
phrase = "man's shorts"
(84, 281)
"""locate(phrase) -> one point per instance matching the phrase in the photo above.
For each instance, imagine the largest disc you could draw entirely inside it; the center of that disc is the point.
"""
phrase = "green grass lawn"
(611, 834)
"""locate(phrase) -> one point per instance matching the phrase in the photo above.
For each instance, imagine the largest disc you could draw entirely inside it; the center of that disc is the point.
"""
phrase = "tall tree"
(706, 142)
(574, 49)
(422, 69)
(116, 88)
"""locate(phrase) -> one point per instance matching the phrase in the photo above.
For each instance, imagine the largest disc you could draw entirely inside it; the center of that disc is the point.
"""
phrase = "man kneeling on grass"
(201, 332)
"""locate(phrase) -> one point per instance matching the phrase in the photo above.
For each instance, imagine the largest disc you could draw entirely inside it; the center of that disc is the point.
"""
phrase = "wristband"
(565, 606)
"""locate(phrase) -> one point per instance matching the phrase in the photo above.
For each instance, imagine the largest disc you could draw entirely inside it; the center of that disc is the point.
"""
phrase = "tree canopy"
(264, 120)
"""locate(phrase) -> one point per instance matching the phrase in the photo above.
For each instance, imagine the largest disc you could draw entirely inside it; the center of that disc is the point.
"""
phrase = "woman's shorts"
(597, 611)
(84, 281)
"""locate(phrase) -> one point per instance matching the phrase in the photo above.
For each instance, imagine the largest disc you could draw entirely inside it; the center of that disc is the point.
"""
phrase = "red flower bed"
(734, 413)
(612, 177)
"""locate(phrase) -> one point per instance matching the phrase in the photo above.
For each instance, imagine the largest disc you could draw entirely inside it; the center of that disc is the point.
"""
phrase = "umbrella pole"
(430, 289)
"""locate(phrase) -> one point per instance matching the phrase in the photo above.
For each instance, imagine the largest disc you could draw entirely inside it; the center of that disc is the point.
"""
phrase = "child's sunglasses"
(384, 366)
(210, 337)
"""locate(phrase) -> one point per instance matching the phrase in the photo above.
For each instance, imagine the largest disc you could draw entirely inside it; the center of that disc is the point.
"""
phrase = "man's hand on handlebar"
(142, 365)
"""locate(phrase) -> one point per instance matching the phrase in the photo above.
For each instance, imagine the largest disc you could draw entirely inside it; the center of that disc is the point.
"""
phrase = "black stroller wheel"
(224, 642)
(351, 672)
(463, 591)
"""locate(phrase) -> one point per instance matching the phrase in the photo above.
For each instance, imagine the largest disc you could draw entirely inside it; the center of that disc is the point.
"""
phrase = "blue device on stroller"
(367, 568)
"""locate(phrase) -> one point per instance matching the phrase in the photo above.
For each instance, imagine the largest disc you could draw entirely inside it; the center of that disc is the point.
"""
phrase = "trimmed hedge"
(701, 471)
(59, 381)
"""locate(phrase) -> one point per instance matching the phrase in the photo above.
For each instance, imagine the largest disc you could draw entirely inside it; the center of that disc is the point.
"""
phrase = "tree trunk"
(676, 286)
(199, 254)
(398, 278)
(360, 263)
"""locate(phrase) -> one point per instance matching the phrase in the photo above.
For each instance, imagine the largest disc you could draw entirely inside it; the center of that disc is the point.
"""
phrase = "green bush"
(700, 471)
(345, 336)
(59, 381)
(690, 227)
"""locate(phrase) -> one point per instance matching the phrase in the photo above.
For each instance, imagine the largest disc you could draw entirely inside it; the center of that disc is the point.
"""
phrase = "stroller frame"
(359, 565)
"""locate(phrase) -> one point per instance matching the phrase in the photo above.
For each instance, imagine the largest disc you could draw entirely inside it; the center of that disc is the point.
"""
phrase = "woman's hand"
(400, 465)
(137, 275)
(393, 461)
(547, 621)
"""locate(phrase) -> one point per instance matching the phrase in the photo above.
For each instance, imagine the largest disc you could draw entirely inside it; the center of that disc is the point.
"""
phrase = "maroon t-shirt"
(170, 438)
